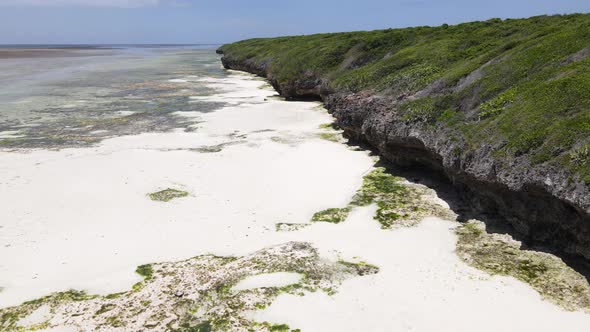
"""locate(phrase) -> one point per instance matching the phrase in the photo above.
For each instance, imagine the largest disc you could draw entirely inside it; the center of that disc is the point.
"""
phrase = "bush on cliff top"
(522, 86)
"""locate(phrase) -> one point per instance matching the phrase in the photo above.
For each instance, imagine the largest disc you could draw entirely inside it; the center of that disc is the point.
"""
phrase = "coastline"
(545, 202)
(240, 185)
(223, 167)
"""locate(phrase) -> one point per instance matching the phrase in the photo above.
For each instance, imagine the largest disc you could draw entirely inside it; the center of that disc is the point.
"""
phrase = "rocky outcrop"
(541, 203)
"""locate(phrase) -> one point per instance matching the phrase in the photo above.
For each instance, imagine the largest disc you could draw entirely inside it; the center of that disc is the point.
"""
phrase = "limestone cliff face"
(539, 201)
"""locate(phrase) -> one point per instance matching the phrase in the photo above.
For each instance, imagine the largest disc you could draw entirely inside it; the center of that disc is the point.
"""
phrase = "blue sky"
(219, 21)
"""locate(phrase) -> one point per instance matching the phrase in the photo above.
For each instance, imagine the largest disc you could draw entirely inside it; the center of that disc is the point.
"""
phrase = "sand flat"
(421, 286)
(25, 53)
(80, 218)
(84, 213)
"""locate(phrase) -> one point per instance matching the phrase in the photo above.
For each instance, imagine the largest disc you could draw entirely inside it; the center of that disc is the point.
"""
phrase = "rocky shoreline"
(549, 206)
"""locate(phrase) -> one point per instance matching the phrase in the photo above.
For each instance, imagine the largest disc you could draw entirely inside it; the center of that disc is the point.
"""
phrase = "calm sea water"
(87, 94)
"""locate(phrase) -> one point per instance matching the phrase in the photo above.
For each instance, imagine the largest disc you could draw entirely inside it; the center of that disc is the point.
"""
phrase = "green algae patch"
(332, 215)
(210, 149)
(361, 268)
(192, 295)
(9, 317)
(332, 137)
(279, 327)
(202, 327)
(389, 194)
(114, 321)
(167, 195)
(327, 126)
(265, 86)
(217, 147)
(499, 254)
(289, 227)
(105, 308)
(146, 271)
(331, 133)
(399, 202)
(379, 185)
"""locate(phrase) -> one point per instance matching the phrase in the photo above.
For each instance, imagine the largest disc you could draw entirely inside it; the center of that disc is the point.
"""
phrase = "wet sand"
(26, 53)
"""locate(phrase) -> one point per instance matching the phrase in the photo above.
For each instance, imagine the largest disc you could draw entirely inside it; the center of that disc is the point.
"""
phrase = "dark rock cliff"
(540, 202)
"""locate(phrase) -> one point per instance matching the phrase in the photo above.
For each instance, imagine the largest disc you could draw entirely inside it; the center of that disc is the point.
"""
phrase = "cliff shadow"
(454, 196)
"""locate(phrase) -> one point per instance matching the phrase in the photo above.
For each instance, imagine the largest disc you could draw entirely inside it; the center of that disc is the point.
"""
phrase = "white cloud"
(94, 3)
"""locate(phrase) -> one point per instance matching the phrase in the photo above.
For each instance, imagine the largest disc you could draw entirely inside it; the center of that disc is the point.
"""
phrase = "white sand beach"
(80, 218)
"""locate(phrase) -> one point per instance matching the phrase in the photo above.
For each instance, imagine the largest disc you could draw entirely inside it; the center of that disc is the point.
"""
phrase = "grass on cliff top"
(520, 85)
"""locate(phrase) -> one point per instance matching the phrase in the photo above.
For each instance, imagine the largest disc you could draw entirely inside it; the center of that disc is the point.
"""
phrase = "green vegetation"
(333, 137)
(332, 215)
(104, 308)
(196, 294)
(361, 268)
(9, 317)
(68, 296)
(398, 203)
(167, 195)
(114, 295)
(581, 155)
(289, 227)
(500, 254)
(202, 327)
(378, 185)
(331, 132)
(115, 321)
(146, 271)
(423, 110)
(519, 85)
(392, 197)
(137, 286)
(279, 328)
(498, 104)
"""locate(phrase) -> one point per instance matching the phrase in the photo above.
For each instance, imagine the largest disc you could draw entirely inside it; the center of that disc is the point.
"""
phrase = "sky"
(221, 21)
